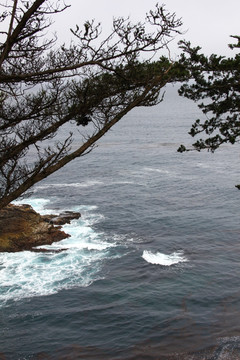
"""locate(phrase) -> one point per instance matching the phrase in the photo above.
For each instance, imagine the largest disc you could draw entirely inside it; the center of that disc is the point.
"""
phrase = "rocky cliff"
(22, 228)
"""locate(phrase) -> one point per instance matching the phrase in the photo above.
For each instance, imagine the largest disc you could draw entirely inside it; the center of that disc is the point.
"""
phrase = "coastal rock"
(63, 218)
(22, 228)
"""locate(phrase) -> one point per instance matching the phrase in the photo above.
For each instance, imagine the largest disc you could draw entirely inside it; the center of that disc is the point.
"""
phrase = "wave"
(76, 185)
(73, 262)
(161, 171)
(163, 259)
(38, 204)
(123, 182)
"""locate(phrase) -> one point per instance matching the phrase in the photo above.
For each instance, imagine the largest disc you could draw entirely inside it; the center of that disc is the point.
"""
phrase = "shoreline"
(22, 228)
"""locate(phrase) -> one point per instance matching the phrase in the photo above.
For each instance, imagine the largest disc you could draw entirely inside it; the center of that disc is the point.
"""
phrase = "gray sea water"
(152, 267)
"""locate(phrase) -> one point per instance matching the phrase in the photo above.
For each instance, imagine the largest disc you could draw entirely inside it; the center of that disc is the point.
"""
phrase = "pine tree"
(90, 84)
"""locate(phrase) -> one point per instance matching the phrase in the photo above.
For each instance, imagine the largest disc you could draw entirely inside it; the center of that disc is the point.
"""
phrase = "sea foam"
(73, 262)
(88, 183)
(163, 259)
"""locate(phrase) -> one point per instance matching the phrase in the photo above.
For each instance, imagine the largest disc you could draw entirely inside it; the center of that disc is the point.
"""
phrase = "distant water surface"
(151, 269)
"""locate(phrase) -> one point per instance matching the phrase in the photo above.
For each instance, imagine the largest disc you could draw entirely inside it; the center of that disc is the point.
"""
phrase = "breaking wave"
(72, 262)
(163, 259)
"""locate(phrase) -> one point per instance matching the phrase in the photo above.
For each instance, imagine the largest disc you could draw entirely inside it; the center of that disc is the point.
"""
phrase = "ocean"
(151, 270)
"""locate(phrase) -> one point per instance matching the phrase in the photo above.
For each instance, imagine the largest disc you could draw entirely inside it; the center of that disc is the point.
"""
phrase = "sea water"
(151, 269)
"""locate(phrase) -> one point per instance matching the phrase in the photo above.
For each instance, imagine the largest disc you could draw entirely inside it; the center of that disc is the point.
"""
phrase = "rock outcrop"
(22, 228)
(64, 218)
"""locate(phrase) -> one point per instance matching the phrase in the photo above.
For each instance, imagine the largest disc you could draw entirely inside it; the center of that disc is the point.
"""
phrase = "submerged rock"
(22, 228)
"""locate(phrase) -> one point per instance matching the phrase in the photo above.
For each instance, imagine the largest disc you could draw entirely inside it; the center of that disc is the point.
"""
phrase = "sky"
(206, 23)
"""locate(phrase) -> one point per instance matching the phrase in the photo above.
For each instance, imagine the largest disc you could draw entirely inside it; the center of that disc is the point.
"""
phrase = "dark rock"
(22, 228)
(64, 218)
(55, 251)
(48, 218)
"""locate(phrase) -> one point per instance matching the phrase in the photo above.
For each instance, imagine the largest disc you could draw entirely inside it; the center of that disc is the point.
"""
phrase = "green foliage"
(216, 88)
(86, 96)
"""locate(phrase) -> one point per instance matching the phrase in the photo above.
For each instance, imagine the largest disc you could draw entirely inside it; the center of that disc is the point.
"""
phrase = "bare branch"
(92, 83)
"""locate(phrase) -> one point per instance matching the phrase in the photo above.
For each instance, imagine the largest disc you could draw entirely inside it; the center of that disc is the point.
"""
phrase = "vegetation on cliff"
(216, 88)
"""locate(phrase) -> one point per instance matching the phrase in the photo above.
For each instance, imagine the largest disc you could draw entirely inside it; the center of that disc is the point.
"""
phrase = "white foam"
(82, 236)
(123, 182)
(162, 171)
(76, 185)
(79, 262)
(28, 274)
(163, 259)
(38, 204)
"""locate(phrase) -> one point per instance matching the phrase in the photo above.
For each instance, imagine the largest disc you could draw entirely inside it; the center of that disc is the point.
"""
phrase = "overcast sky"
(208, 23)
